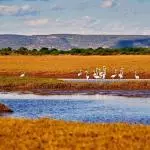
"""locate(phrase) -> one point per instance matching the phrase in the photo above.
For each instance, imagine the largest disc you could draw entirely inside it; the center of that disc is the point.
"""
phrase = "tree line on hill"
(76, 51)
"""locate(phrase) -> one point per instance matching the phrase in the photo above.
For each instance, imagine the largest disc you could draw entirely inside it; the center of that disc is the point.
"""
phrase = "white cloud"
(15, 10)
(37, 22)
(79, 25)
(107, 3)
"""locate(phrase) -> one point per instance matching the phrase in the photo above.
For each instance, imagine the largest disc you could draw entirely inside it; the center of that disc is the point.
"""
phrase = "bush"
(77, 51)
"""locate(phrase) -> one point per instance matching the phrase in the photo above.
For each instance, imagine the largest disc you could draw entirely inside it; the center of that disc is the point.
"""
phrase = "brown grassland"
(34, 84)
(49, 134)
(67, 66)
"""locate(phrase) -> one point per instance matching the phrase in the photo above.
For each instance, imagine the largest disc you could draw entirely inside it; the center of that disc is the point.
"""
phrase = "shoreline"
(48, 86)
(47, 92)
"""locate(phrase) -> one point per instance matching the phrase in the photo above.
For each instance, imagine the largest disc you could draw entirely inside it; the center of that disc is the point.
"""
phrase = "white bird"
(104, 76)
(114, 75)
(120, 75)
(100, 73)
(136, 76)
(104, 73)
(80, 73)
(97, 71)
(87, 75)
(96, 76)
(22, 75)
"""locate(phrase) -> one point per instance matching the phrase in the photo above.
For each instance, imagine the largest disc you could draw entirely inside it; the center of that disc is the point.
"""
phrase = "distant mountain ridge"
(68, 41)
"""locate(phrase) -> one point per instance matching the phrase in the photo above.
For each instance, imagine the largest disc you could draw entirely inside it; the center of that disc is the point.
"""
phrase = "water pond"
(84, 108)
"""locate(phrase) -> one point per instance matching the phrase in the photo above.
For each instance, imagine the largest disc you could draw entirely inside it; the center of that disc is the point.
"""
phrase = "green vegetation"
(33, 84)
(49, 134)
(76, 51)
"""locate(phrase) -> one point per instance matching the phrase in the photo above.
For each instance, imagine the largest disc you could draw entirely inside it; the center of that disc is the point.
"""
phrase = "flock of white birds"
(100, 73)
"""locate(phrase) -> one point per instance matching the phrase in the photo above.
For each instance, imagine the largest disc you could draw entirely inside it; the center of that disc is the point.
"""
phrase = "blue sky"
(75, 16)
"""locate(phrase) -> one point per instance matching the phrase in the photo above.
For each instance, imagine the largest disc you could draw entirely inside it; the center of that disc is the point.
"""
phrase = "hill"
(68, 41)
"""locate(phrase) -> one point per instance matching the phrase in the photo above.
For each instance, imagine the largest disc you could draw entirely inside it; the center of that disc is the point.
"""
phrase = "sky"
(30, 17)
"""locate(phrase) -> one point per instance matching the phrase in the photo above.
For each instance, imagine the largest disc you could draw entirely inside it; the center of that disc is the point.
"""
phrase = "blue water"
(85, 108)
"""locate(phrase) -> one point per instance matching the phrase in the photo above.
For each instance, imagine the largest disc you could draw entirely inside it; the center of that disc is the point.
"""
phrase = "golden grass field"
(46, 134)
(67, 66)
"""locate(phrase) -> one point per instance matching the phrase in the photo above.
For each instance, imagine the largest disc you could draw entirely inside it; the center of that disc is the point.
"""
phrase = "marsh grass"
(8, 83)
(49, 134)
